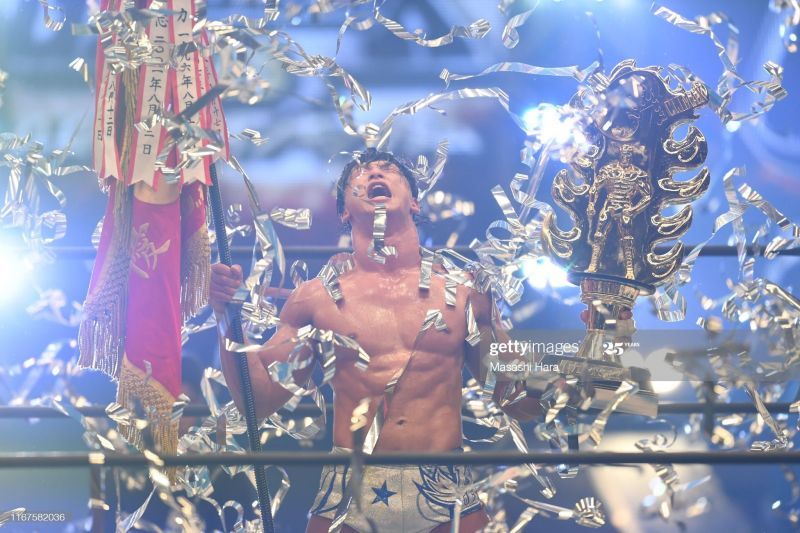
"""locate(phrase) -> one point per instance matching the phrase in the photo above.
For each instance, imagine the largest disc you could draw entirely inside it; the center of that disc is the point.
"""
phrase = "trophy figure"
(615, 193)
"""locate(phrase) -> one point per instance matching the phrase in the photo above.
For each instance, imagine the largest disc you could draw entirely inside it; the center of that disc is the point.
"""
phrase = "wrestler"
(382, 309)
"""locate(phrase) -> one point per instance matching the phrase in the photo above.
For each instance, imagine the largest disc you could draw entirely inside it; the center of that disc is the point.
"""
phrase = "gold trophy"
(615, 194)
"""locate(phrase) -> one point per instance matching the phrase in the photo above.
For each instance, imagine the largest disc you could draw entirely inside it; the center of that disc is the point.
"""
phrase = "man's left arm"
(496, 347)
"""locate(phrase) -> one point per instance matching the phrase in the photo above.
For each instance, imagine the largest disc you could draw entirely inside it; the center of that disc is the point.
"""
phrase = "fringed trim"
(135, 390)
(101, 337)
(195, 273)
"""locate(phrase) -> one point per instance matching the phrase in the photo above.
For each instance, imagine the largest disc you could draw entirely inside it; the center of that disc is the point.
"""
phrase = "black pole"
(235, 334)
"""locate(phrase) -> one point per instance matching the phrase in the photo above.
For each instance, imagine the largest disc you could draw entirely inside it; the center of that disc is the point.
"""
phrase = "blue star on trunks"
(382, 494)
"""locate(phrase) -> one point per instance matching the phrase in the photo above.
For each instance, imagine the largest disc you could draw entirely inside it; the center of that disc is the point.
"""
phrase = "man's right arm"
(491, 331)
(296, 313)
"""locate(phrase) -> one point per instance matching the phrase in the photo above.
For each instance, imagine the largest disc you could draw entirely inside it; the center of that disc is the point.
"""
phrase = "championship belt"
(615, 193)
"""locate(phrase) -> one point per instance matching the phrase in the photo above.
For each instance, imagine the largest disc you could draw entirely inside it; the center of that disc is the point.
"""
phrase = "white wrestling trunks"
(398, 499)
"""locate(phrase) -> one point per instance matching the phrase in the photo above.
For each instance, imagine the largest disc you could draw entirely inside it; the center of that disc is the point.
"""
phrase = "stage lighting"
(14, 270)
(733, 126)
(542, 273)
(545, 120)
(560, 128)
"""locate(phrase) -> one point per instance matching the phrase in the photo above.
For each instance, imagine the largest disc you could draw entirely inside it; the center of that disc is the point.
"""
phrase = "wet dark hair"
(369, 156)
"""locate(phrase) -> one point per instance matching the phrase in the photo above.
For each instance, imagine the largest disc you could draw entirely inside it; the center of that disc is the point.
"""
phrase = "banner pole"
(235, 334)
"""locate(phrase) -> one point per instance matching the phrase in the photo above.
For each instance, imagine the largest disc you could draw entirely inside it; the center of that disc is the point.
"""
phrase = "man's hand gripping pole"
(235, 334)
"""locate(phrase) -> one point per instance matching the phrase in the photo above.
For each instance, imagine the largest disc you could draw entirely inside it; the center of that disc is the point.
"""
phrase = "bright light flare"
(542, 273)
(560, 128)
(15, 269)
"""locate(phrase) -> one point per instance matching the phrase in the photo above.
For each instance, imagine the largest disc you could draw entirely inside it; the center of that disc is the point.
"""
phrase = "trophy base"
(605, 378)
(609, 289)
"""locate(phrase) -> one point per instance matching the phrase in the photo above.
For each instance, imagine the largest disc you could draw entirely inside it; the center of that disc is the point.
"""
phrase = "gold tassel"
(195, 273)
(136, 387)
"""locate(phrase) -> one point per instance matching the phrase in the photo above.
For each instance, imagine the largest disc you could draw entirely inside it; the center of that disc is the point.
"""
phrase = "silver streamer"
(473, 333)
(625, 389)
(476, 30)
(378, 251)
(54, 17)
(426, 267)
(291, 218)
(523, 68)
(330, 272)
(587, 511)
(428, 176)
(729, 82)
(250, 135)
(8, 516)
(755, 301)
(669, 304)
(781, 441)
(510, 34)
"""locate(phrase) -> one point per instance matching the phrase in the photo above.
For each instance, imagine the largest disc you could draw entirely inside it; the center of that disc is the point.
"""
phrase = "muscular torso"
(384, 314)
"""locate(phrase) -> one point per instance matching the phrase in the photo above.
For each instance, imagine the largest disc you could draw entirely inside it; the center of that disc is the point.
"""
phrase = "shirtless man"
(382, 309)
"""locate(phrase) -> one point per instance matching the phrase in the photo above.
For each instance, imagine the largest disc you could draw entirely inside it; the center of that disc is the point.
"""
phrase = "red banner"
(152, 267)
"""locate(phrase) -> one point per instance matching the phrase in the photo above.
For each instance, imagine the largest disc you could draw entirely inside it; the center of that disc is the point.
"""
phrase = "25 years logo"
(616, 348)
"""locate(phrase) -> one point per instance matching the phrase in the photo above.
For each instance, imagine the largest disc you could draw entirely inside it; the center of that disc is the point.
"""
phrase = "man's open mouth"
(378, 190)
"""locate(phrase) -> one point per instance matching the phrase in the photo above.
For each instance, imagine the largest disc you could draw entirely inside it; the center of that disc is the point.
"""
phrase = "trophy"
(615, 194)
